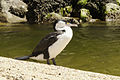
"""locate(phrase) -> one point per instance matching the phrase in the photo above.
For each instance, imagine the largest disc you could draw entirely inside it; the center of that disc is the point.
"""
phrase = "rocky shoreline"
(75, 11)
(11, 69)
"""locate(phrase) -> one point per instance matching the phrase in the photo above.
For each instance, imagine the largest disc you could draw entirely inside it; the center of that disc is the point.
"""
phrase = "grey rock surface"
(12, 11)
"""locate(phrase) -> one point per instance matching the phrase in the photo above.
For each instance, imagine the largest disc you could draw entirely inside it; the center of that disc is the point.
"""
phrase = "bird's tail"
(23, 58)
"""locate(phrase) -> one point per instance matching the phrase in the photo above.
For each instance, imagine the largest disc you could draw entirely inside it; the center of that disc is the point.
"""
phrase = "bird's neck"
(68, 32)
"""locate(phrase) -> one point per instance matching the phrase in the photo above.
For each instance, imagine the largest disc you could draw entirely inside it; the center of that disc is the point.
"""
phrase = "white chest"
(60, 44)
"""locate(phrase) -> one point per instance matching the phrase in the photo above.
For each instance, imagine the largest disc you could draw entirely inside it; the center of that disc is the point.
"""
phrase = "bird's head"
(61, 25)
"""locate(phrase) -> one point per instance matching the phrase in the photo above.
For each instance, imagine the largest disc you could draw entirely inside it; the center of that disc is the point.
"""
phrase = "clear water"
(94, 47)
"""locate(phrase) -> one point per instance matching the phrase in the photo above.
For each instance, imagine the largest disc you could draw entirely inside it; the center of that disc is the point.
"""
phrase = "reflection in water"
(94, 47)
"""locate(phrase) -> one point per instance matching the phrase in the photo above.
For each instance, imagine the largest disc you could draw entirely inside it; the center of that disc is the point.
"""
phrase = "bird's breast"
(59, 45)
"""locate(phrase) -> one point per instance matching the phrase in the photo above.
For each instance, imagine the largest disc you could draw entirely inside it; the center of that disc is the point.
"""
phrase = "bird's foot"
(53, 60)
(48, 61)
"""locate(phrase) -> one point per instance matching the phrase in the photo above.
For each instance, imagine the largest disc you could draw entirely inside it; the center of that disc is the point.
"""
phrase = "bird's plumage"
(51, 45)
(42, 47)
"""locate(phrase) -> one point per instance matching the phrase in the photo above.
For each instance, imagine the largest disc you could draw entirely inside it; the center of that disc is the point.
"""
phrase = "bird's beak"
(72, 25)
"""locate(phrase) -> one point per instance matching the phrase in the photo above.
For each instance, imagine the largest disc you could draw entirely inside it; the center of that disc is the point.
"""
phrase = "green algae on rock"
(82, 2)
(85, 15)
(66, 11)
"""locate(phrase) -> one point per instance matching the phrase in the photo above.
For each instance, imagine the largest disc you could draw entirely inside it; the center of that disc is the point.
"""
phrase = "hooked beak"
(72, 25)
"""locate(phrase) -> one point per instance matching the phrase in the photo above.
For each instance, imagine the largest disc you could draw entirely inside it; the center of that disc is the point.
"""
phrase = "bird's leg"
(53, 60)
(48, 61)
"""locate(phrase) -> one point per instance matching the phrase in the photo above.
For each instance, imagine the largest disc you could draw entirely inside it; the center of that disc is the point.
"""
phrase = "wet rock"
(112, 12)
(12, 11)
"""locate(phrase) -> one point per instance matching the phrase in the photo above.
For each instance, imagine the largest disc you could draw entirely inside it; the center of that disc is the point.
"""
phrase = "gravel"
(11, 69)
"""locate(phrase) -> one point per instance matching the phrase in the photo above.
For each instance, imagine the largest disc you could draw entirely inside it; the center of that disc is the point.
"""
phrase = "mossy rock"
(118, 2)
(82, 2)
(51, 17)
(112, 12)
(112, 8)
(66, 11)
(85, 15)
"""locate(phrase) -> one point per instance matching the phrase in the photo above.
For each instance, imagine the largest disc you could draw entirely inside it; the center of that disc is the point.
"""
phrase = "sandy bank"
(11, 69)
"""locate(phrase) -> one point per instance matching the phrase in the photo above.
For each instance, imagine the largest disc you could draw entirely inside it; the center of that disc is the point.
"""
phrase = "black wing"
(43, 45)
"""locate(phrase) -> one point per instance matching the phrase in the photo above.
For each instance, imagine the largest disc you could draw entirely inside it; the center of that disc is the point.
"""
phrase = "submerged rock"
(12, 11)
(112, 12)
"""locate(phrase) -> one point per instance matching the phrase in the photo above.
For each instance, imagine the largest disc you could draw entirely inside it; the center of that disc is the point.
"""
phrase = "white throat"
(68, 32)
(61, 43)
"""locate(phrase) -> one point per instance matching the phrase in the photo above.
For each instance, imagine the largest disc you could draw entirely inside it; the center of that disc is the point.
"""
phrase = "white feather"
(61, 43)
(39, 57)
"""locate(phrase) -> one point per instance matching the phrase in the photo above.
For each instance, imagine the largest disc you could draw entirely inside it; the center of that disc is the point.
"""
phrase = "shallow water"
(94, 47)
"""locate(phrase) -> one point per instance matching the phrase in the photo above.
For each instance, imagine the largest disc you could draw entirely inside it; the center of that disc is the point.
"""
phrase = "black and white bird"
(51, 45)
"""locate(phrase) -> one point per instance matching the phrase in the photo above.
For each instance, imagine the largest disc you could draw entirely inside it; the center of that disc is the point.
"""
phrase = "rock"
(11, 69)
(85, 15)
(94, 20)
(12, 11)
(112, 12)
(38, 9)
(82, 2)
(96, 7)
(66, 11)
(51, 17)
(118, 2)
(3, 78)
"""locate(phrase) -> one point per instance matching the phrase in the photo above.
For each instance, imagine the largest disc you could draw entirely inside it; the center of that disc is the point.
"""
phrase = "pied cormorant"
(51, 45)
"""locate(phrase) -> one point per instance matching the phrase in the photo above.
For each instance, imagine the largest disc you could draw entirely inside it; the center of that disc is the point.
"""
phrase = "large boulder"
(12, 11)
(112, 12)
